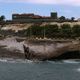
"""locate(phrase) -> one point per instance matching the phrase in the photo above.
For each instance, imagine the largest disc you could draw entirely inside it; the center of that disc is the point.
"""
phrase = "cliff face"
(39, 49)
(45, 49)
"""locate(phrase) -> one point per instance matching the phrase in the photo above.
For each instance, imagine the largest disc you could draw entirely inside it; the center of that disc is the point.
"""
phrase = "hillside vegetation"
(42, 30)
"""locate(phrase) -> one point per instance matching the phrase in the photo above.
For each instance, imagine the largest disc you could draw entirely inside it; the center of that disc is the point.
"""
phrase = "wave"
(78, 69)
(65, 61)
(11, 60)
(71, 61)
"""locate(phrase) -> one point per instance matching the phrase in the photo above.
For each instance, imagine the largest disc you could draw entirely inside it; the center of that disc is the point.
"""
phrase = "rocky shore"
(12, 47)
(4, 53)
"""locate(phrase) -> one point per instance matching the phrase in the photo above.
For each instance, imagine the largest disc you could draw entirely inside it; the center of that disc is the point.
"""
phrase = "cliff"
(38, 49)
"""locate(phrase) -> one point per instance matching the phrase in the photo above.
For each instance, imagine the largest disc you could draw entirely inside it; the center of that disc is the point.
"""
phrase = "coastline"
(10, 48)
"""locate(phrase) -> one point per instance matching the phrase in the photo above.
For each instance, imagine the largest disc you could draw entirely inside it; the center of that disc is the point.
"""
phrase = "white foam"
(3, 60)
(78, 69)
(70, 61)
(11, 60)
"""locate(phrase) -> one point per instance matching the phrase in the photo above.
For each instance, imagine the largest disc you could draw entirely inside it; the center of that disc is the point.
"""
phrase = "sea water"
(18, 69)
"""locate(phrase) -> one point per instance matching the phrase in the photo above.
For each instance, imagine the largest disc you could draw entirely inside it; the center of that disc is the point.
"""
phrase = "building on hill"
(33, 18)
(54, 15)
(25, 16)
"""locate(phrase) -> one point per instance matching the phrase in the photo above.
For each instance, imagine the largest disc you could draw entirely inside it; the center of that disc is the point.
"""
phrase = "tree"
(36, 30)
(62, 18)
(76, 30)
(2, 18)
(66, 30)
(72, 18)
(51, 31)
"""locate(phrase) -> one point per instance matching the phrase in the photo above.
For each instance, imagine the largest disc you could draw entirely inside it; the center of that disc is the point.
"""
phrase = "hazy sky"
(68, 8)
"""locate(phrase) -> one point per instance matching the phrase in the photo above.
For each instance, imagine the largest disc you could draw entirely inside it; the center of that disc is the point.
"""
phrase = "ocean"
(18, 69)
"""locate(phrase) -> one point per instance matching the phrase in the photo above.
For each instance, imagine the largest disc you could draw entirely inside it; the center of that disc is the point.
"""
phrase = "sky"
(67, 8)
